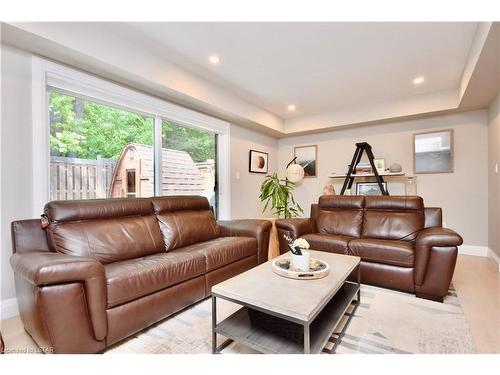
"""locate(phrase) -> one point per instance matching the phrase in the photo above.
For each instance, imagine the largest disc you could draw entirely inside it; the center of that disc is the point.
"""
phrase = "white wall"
(245, 190)
(493, 176)
(16, 157)
(463, 195)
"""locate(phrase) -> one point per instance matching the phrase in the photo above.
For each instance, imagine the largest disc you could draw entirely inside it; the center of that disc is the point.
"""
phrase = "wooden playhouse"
(134, 173)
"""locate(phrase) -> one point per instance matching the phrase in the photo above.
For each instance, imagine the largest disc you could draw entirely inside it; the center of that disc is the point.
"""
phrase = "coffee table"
(281, 315)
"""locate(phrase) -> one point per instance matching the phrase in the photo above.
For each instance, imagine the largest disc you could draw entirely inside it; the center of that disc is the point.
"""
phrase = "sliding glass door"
(188, 161)
(100, 151)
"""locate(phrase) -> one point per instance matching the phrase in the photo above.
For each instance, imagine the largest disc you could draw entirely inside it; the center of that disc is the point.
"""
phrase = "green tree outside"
(85, 129)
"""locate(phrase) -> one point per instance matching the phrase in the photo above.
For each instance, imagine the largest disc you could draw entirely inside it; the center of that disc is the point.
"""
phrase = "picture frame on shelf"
(307, 159)
(379, 165)
(369, 188)
(258, 162)
(433, 152)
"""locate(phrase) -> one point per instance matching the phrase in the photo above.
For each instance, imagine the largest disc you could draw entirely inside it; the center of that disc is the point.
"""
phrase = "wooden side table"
(274, 250)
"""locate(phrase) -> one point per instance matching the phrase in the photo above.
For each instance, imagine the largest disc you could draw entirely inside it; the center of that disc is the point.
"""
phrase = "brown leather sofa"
(104, 269)
(401, 243)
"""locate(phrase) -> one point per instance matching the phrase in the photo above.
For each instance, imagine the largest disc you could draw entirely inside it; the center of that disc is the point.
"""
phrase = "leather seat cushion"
(332, 243)
(222, 250)
(393, 252)
(130, 279)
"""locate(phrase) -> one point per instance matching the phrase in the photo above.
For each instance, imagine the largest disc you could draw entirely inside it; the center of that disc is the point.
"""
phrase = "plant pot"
(301, 262)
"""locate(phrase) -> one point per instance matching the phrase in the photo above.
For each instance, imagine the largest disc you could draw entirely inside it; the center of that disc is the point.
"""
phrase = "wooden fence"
(73, 178)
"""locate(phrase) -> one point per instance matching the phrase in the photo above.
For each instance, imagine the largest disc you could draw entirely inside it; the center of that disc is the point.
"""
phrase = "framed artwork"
(258, 161)
(306, 157)
(433, 152)
(369, 188)
(379, 165)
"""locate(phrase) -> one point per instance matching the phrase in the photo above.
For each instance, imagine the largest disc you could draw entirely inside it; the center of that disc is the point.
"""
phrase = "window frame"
(47, 74)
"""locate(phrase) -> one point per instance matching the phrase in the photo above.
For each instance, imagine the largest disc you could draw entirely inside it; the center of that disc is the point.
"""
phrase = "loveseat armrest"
(428, 239)
(42, 268)
(294, 228)
(256, 228)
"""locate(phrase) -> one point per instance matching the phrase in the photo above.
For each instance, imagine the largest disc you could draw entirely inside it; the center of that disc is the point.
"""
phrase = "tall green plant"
(278, 193)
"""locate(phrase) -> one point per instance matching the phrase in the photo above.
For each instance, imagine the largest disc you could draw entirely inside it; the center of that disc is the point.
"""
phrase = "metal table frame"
(306, 324)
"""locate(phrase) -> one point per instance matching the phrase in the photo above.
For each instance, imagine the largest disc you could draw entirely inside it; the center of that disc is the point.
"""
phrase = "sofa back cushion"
(108, 230)
(185, 220)
(393, 217)
(340, 214)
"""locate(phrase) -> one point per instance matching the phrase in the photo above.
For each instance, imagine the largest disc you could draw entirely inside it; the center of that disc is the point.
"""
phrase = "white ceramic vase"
(301, 262)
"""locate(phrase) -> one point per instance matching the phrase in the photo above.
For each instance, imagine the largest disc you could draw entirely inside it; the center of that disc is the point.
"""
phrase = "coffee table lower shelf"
(266, 333)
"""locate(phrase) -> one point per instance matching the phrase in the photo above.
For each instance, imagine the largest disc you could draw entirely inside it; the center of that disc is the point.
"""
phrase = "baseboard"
(8, 308)
(478, 251)
(495, 257)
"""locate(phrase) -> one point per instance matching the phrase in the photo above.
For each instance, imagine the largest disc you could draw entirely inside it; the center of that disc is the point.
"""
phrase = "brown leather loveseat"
(105, 269)
(401, 243)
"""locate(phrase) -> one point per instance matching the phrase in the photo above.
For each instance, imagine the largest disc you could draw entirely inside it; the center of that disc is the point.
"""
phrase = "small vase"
(301, 262)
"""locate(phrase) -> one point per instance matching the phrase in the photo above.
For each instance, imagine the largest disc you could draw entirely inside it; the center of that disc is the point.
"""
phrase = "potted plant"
(278, 193)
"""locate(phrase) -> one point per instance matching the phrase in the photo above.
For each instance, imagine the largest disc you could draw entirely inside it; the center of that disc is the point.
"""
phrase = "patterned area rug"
(386, 322)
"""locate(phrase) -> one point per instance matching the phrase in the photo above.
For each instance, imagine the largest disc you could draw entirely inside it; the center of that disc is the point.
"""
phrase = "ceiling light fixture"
(418, 80)
(214, 59)
(291, 107)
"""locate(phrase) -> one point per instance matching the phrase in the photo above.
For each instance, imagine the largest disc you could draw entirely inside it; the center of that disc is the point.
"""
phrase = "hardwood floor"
(476, 281)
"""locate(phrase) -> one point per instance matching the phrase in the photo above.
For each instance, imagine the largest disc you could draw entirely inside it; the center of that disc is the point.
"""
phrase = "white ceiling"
(319, 67)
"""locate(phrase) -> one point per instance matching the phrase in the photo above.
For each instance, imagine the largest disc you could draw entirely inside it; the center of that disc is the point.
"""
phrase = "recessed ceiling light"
(291, 107)
(418, 80)
(214, 59)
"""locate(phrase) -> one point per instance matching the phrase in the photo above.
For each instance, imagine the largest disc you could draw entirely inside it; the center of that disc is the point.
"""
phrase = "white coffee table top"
(299, 299)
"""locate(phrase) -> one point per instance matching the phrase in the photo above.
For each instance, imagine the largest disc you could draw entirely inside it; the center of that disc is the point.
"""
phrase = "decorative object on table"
(317, 269)
(258, 161)
(369, 188)
(433, 152)
(277, 193)
(363, 168)
(306, 157)
(300, 258)
(395, 168)
(411, 185)
(329, 189)
(379, 165)
(351, 173)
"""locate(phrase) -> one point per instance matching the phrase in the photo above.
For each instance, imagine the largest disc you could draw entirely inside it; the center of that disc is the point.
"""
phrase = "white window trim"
(46, 73)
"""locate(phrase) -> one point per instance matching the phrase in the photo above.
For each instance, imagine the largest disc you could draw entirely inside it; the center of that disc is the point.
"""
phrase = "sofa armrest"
(425, 241)
(294, 228)
(47, 268)
(297, 227)
(259, 229)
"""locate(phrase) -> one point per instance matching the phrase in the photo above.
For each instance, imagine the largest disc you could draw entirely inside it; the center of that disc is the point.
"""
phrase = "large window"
(98, 151)
(96, 139)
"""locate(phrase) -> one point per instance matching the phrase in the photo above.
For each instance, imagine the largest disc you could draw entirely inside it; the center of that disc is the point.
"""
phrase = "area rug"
(385, 322)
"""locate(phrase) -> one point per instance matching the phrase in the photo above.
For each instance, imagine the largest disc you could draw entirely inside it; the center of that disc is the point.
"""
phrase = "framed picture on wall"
(369, 188)
(258, 161)
(433, 152)
(306, 157)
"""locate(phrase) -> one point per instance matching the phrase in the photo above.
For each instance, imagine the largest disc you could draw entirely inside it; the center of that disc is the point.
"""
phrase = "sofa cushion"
(185, 220)
(131, 279)
(108, 230)
(223, 250)
(396, 253)
(341, 215)
(331, 243)
(393, 218)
